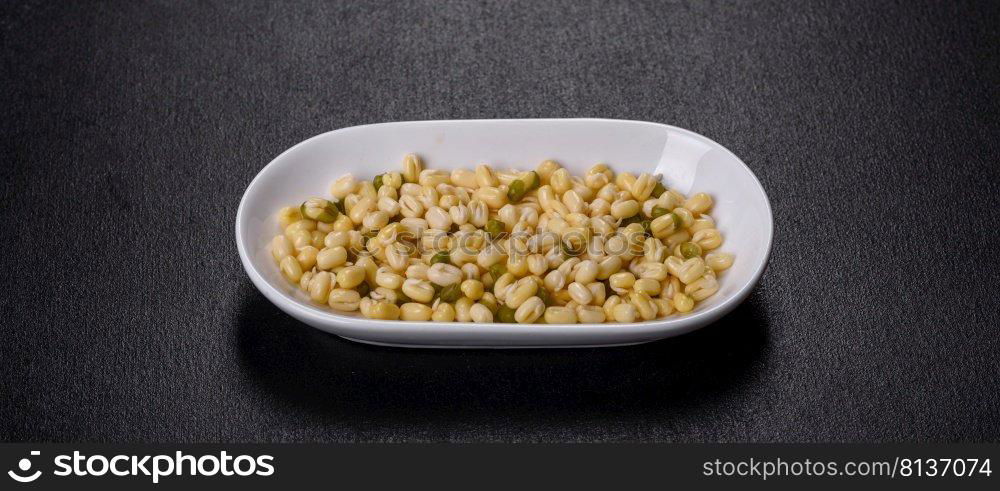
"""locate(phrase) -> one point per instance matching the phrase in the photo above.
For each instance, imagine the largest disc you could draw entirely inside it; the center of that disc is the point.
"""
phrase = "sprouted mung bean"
(482, 245)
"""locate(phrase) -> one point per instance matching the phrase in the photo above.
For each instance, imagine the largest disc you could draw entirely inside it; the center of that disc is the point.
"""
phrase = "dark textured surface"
(130, 131)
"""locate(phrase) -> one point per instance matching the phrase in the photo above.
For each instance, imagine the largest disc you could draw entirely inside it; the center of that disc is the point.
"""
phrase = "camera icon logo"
(25, 465)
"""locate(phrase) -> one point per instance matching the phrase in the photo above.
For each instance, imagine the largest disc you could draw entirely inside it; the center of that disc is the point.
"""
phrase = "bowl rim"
(674, 325)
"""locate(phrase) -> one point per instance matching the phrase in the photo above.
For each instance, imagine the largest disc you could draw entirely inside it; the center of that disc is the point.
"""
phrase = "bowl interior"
(689, 162)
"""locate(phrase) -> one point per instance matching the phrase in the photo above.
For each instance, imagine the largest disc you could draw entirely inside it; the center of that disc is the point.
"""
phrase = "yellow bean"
(642, 187)
(360, 209)
(670, 286)
(463, 309)
(343, 223)
(412, 166)
(560, 297)
(485, 176)
(392, 180)
(344, 300)
(719, 261)
(648, 286)
(350, 276)
(368, 264)
(676, 238)
(437, 218)
(580, 293)
(418, 290)
(465, 178)
(343, 186)
(319, 287)
(473, 289)
(702, 288)
(281, 247)
(687, 218)
(479, 213)
(307, 257)
(301, 238)
(383, 293)
(493, 197)
(702, 223)
(318, 237)
(522, 291)
(288, 215)
(337, 239)
(411, 189)
(365, 307)
(411, 207)
(388, 205)
(608, 266)
(463, 257)
(624, 180)
(560, 181)
(708, 239)
(608, 193)
(291, 269)
(686, 271)
(586, 271)
(596, 181)
(656, 271)
(663, 307)
(537, 265)
(331, 257)
(560, 315)
(621, 282)
(590, 314)
(609, 306)
(597, 290)
(375, 220)
(489, 256)
(444, 312)
(624, 209)
(490, 301)
(624, 313)
(566, 268)
(555, 280)
(574, 203)
(699, 203)
(444, 274)
(383, 311)
(529, 311)
(415, 312)
(386, 277)
(546, 169)
(653, 250)
(683, 303)
(517, 264)
(304, 281)
(471, 272)
(397, 256)
(670, 200)
(663, 225)
(432, 178)
(644, 306)
(480, 314)
(508, 215)
(417, 271)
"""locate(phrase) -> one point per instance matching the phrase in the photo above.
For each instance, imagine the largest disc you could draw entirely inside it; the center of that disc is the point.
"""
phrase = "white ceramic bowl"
(689, 162)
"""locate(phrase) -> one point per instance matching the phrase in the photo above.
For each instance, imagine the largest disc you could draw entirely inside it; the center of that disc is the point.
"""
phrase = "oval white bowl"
(688, 161)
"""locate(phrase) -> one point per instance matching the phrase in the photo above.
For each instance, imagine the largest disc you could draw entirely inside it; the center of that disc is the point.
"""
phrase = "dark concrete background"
(131, 129)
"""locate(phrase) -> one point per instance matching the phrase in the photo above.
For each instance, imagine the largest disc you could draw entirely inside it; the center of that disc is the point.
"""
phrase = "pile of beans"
(511, 246)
